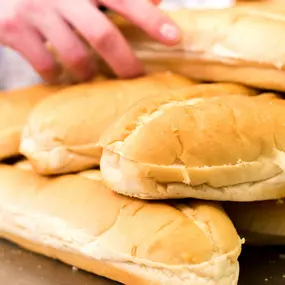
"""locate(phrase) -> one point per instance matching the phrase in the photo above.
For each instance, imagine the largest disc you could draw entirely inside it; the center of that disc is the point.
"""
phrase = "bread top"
(184, 126)
(62, 132)
(204, 134)
(168, 234)
(215, 35)
(149, 108)
(214, 140)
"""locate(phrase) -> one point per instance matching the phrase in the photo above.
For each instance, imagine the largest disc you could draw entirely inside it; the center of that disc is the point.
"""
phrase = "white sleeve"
(15, 72)
(176, 4)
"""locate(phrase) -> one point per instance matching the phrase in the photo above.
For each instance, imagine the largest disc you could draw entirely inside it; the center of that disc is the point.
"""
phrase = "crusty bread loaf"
(260, 223)
(15, 106)
(217, 148)
(79, 221)
(241, 44)
(62, 133)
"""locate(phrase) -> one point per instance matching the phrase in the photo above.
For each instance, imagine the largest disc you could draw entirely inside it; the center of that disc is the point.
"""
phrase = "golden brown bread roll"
(260, 223)
(239, 44)
(15, 107)
(215, 147)
(82, 223)
(62, 133)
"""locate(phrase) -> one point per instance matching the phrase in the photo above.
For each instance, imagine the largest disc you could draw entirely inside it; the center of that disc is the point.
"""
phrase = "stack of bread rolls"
(129, 179)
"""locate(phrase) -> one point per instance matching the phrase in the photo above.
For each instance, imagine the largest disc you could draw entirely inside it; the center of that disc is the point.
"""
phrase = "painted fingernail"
(170, 32)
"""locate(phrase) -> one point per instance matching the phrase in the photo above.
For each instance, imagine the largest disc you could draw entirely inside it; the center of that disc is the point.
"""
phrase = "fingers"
(51, 22)
(31, 46)
(148, 17)
(69, 49)
(155, 2)
(104, 37)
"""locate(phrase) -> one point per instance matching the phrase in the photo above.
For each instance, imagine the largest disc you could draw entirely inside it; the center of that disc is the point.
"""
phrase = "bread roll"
(62, 133)
(228, 148)
(260, 223)
(15, 107)
(239, 44)
(82, 223)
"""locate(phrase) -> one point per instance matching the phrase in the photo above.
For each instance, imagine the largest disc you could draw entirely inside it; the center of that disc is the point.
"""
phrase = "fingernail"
(170, 32)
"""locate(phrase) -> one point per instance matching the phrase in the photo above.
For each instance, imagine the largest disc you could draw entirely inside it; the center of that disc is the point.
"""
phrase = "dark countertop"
(259, 265)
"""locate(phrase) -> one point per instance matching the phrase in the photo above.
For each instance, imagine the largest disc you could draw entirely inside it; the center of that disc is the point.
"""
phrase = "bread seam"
(115, 179)
(198, 222)
(60, 154)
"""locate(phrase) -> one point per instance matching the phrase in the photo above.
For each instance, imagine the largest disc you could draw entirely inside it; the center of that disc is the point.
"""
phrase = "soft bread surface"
(15, 107)
(239, 44)
(94, 174)
(260, 223)
(81, 222)
(62, 133)
(24, 165)
(203, 145)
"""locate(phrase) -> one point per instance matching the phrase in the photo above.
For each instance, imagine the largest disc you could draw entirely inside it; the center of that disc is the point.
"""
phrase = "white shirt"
(176, 4)
(15, 72)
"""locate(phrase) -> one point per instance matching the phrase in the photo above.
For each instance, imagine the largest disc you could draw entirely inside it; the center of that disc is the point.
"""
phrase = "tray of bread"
(171, 178)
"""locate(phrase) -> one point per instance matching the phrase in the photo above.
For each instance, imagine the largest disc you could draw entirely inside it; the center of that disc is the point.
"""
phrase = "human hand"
(27, 25)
